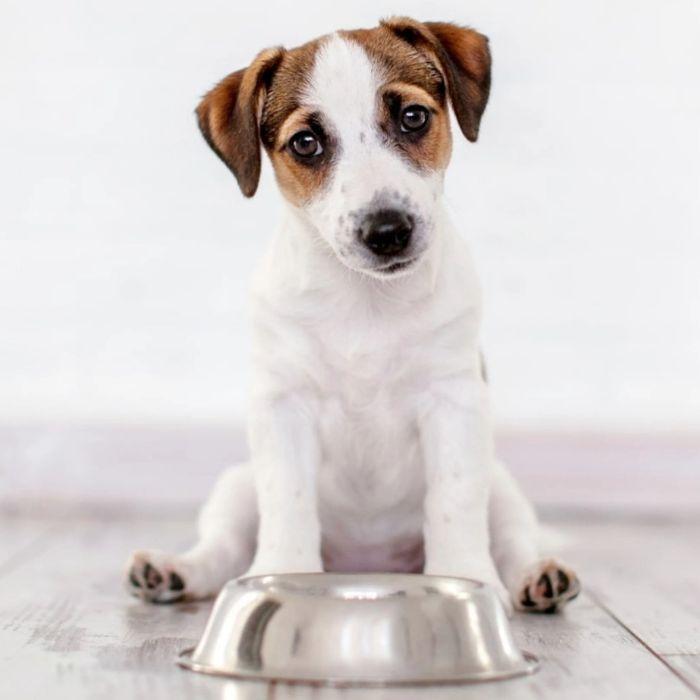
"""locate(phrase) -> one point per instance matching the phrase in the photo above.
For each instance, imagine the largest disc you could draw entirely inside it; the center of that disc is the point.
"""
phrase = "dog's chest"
(371, 477)
(371, 483)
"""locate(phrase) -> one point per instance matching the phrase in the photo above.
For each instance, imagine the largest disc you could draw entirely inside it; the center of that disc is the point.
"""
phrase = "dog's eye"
(306, 144)
(414, 118)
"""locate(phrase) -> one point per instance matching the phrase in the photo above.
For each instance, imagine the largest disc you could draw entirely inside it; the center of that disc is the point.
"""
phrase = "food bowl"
(358, 629)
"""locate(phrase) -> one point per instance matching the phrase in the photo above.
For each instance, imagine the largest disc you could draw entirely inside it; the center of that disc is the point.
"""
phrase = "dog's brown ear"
(465, 59)
(228, 118)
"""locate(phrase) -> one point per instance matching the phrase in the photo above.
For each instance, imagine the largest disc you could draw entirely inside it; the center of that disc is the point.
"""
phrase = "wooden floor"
(67, 630)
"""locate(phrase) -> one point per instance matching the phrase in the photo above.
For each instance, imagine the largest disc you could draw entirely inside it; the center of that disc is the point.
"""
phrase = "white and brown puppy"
(371, 443)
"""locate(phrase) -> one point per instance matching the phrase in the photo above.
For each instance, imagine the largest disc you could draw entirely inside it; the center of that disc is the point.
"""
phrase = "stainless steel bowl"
(358, 629)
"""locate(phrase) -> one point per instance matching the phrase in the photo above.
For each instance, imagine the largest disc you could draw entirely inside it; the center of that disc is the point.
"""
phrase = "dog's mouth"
(397, 266)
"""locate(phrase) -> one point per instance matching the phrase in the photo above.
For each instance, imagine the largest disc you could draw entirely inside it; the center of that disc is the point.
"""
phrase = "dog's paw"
(546, 587)
(154, 577)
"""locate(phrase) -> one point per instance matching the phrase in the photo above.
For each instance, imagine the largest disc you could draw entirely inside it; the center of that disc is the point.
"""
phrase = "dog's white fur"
(370, 428)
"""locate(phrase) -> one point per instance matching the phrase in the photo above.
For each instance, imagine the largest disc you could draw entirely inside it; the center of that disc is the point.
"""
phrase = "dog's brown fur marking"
(432, 150)
(400, 61)
(464, 57)
(228, 118)
(282, 116)
(420, 62)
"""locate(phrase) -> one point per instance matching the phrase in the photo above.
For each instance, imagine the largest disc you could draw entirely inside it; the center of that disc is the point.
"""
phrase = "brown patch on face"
(300, 178)
(284, 115)
(429, 150)
(284, 92)
(463, 55)
(297, 181)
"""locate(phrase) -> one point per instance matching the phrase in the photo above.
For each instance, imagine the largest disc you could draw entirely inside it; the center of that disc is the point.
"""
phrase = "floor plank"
(648, 575)
(687, 666)
(67, 630)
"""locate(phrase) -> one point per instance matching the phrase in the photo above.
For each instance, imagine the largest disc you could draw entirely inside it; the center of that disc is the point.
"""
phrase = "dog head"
(356, 126)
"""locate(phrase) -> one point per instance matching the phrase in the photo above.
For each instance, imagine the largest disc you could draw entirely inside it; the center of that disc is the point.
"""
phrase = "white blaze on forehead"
(343, 87)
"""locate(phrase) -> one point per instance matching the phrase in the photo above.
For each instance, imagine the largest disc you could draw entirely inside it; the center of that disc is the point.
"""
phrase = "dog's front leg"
(285, 455)
(457, 445)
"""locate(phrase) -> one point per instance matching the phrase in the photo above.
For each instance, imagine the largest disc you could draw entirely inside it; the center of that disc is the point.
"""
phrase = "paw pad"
(154, 581)
(547, 588)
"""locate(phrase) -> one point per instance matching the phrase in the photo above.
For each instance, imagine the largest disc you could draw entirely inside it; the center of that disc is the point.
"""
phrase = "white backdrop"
(125, 248)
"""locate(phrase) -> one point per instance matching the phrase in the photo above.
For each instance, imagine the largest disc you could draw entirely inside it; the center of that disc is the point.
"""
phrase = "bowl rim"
(531, 664)
(285, 584)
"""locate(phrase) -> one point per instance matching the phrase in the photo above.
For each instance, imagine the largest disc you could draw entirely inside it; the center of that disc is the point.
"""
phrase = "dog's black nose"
(386, 232)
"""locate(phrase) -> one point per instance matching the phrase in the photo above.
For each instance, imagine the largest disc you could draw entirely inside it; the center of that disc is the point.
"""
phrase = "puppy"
(370, 435)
